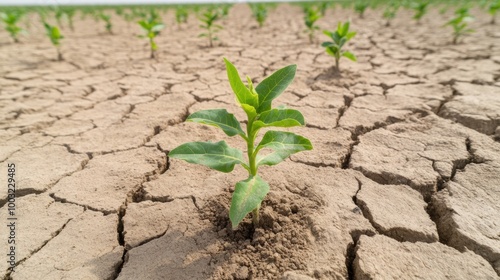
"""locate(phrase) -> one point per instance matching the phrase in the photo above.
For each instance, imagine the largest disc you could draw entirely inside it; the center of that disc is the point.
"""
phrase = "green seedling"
(55, 37)
(59, 14)
(259, 12)
(339, 37)
(420, 8)
(224, 10)
(460, 24)
(323, 7)
(11, 20)
(360, 8)
(107, 20)
(390, 13)
(70, 14)
(493, 9)
(256, 102)
(152, 26)
(128, 17)
(208, 20)
(312, 15)
(181, 15)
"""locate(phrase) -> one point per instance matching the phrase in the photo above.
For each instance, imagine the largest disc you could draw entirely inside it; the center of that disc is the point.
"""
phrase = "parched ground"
(403, 181)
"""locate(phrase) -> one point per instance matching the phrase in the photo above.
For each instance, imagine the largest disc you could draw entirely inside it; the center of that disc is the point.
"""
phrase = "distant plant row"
(150, 19)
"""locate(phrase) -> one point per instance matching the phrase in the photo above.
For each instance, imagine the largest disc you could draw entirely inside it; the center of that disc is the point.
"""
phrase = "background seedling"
(224, 10)
(128, 17)
(107, 19)
(11, 20)
(323, 7)
(256, 102)
(339, 37)
(312, 15)
(493, 9)
(390, 12)
(360, 7)
(70, 14)
(460, 24)
(208, 20)
(55, 37)
(259, 12)
(59, 15)
(181, 15)
(152, 26)
(420, 8)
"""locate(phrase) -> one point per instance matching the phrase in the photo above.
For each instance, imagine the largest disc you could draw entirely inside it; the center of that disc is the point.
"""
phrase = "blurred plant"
(360, 7)
(493, 9)
(152, 26)
(107, 19)
(59, 14)
(460, 23)
(323, 7)
(208, 20)
(181, 15)
(311, 16)
(339, 37)
(390, 12)
(11, 20)
(70, 14)
(55, 37)
(224, 10)
(259, 12)
(420, 8)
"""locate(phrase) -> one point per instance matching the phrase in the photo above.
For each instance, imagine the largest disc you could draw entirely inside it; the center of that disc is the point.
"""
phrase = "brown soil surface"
(403, 181)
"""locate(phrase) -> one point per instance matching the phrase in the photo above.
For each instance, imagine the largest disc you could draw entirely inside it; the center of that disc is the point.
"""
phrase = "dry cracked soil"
(403, 181)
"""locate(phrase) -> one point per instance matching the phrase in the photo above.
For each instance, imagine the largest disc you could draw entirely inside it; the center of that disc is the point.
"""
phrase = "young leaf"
(279, 118)
(247, 196)
(284, 144)
(218, 156)
(219, 118)
(349, 55)
(243, 94)
(143, 24)
(272, 86)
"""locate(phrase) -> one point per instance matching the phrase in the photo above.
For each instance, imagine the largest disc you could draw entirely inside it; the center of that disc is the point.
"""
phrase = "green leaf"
(247, 196)
(350, 35)
(349, 55)
(327, 33)
(279, 118)
(158, 27)
(272, 86)
(243, 94)
(345, 29)
(55, 32)
(284, 144)
(218, 156)
(219, 118)
(326, 44)
(144, 24)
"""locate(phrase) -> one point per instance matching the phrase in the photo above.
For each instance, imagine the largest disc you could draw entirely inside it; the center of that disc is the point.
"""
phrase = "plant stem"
(251, 149)
(151, 43)
(255, 216)
(59, 55)
(210, 36)
(253, 168)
